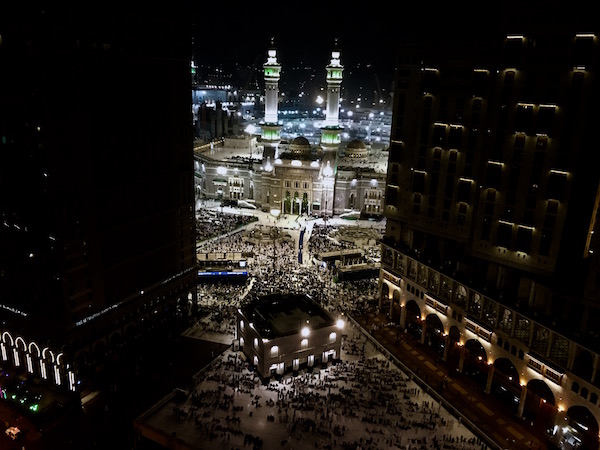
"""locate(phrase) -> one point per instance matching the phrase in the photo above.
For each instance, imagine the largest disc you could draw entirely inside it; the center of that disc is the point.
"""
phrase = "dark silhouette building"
(491, 204)
(96, 183)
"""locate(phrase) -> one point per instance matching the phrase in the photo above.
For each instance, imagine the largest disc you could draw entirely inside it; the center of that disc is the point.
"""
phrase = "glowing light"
(340, 324)
(221, 170)
(305, 332)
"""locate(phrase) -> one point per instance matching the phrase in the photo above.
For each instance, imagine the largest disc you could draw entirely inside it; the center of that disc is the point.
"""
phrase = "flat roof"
(284, 314)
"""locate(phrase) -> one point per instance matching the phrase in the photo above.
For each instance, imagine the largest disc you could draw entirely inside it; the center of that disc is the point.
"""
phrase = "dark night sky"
(367, 33)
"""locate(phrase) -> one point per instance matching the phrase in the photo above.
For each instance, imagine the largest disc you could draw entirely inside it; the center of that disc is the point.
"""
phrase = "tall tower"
(74, 270)
(270, 128)
(331, 133)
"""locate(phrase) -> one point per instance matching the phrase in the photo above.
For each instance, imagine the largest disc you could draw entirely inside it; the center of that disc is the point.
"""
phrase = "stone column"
(403, 316)
(446, 345)
(461, 361)
(522, 401)
(490, 378)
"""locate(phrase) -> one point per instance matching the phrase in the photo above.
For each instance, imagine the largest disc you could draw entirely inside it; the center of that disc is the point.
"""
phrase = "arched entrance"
(581, 426)
(539, 405)
(434, 334)
(475, 364)
(413, 319)
(505, 384)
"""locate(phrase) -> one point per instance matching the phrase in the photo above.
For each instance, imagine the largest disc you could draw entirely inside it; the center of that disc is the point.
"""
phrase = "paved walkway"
(364, 402)
(463, 394)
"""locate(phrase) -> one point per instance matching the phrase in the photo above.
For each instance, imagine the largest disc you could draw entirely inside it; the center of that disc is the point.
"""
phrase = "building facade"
(491, 205)
(295, 177)
(279, 333)
(98, 235)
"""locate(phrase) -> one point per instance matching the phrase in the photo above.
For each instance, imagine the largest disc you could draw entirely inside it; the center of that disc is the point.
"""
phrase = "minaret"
(270, 128)
(331, 133)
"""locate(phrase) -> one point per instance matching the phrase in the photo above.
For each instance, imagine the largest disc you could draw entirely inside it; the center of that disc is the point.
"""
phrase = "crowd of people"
(273, 266)
(211, 224)
(363, 402)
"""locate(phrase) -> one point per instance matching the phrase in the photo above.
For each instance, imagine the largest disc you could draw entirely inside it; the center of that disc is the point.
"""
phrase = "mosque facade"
(261, 170)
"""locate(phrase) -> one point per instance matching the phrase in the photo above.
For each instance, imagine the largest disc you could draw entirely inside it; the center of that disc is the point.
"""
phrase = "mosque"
(261, 170)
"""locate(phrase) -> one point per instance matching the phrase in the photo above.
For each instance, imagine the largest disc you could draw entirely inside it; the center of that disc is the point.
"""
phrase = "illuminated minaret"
(271, 130)
(331, 133)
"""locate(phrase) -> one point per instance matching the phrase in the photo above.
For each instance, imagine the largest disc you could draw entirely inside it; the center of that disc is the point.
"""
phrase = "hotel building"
(491, 204)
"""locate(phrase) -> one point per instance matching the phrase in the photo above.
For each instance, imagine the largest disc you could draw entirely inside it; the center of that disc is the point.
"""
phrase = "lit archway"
(540, 404)
(505, 383)
(413, 319)
(435, 337)
(475, 363)
(583, 425)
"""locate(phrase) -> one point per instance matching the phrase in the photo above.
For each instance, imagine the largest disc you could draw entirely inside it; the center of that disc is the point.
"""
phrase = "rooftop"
(284, 314)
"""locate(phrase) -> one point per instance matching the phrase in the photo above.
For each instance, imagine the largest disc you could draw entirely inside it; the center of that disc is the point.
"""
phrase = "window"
(462, 213)
(504, 234)
(486, 227)
(545, 119)
(523, 118)
(242, 325)
(480, 79)
(454, 137)
(418, 182)
(417, 204)
(255, 343)
(464, 191)
(274, 351)
(439, 136)
(545, 242)
(493, 176)
(524, 239)
(304, 343)
(557, 183)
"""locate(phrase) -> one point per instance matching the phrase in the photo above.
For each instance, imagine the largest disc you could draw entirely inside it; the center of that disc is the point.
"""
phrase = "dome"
(300, 140)
(300, 145)
(356, 144)
(356, 149)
